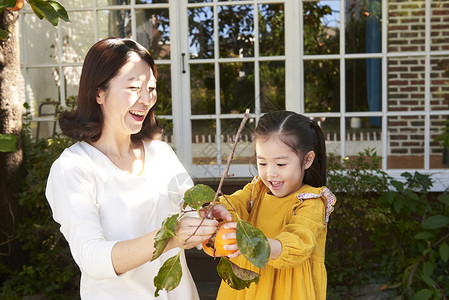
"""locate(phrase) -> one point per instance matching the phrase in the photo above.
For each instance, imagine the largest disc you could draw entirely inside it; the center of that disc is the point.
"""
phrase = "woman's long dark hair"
(101, 64)
(302, 135)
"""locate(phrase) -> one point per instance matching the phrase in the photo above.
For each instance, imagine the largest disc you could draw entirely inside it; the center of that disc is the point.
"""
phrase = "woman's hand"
(188, 234)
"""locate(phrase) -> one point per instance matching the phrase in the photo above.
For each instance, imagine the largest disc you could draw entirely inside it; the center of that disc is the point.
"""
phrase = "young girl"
(289, 202)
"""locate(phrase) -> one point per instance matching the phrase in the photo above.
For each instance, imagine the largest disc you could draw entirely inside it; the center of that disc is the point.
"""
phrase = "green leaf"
(429, 281)
(427, 268)
(397, 205)
(167, 231)
(444, 198)
(423, 294)
(8, 142)
(252, 243)
(169, 275)
(46, 10)
(444, 252)
(62, 13)
(424, 235)
(198, 195)
(7, 3)
(434, 222)
(236, 277)
(3, 34)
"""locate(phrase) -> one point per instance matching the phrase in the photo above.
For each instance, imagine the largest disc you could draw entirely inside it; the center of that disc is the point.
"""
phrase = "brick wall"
(406, 75)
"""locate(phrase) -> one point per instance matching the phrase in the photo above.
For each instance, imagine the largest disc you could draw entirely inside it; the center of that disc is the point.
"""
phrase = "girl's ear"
(308, 161)
(100, 96)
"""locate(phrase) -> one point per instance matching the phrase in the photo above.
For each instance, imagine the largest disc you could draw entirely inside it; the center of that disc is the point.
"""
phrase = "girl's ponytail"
(316, 174)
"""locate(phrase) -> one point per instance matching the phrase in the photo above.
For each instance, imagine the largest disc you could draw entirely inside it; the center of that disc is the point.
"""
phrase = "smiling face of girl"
(279, 167)
(130, 96)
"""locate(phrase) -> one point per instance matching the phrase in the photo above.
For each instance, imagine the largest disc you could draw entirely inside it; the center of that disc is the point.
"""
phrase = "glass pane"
(406, 25)
(199, 1)
(72, 77)
(236, 30)
(322, 85)
(236, 87)
(202, 89)
(439, 97)
(331, 131)
(44, 85)
(405, 142)
(364, 84)
(439, 151)
(150, 1)
(114, 23)
(78, 36)
(360, 135)
(439, 29)
(321, 27)
(406, 83)
(37, 51)
(153, 31)
(244, 150)
(271, 29)
(272, 85)
(68, 4)
(167, 126)
(363, 26)
(164, 103)
(113, 2)
(201, 32)
(204, 145)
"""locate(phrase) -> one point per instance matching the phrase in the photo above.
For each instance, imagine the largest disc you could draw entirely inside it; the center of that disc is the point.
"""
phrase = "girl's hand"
(186, 229)
(231, 235)
(219, 212)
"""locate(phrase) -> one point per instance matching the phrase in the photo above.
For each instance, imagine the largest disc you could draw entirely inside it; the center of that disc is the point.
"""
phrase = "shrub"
(384, 231)
(49, 270)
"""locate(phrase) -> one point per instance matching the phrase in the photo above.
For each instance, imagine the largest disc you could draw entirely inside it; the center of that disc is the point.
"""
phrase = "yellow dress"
(298, 221)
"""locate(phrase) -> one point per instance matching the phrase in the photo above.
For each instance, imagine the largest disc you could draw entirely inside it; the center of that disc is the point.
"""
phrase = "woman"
(112, 189)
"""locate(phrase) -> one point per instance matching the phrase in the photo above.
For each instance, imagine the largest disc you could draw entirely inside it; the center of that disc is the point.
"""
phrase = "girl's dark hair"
(302, 135)
(101, 64)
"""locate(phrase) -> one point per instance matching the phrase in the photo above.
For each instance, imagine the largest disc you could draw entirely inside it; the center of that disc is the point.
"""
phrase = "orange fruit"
(214, 245)
(18, 6)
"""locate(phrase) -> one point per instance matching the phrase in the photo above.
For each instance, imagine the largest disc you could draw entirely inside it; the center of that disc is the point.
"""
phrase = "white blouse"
(98, 204)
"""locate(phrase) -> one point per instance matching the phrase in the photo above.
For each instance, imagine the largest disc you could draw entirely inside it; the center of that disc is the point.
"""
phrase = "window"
(372, 73)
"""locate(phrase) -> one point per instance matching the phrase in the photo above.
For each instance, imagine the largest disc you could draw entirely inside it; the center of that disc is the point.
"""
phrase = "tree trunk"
(10, 123)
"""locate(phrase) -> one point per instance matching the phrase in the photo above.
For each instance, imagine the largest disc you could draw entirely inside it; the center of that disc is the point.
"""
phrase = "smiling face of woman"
(130, 96)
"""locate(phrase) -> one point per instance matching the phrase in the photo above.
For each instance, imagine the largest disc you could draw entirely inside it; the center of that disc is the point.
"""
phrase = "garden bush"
(49, 270)
(386, 232)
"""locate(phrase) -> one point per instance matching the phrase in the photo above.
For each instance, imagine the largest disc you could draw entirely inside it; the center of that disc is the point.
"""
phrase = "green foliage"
(49, 269)
(236, 277)
(167, 231)
(252, 243)
(414, 244)
(384, 231)
(169, 275)
(52, 11)
(357, 183)
(198, 195)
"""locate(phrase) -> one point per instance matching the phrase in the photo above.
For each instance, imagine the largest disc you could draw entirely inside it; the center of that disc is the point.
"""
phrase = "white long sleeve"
(97, 204)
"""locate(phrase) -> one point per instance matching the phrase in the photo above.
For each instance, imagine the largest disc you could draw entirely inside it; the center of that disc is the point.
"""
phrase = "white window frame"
(294, 73)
